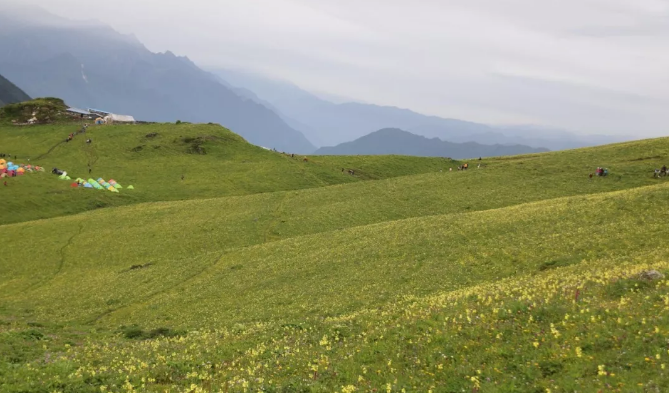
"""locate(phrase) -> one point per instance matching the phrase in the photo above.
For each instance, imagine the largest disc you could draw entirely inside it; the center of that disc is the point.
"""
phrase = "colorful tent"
(2, 161)
(131, 188)
(88, 185)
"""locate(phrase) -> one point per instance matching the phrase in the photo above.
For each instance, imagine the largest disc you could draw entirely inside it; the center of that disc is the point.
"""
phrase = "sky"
(591, 66)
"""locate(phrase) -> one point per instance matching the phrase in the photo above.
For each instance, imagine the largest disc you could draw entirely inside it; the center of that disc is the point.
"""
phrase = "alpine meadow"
(227, 267)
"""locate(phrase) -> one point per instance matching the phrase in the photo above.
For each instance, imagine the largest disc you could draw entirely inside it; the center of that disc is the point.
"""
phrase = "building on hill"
(113, 118)
(81, 113)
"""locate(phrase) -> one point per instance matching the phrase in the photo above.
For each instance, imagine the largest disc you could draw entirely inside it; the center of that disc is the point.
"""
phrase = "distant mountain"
(91, 65)
(327, 123)
(396, 141)
(10, 93)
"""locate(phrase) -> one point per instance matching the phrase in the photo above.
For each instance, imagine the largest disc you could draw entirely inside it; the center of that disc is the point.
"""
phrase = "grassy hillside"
(297, 283)
(201, 275)
(214, 162)
(263, 272)
(154, 165)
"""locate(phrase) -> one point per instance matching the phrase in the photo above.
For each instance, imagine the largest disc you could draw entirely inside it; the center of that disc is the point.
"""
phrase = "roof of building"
(78, 111)
(97, 110)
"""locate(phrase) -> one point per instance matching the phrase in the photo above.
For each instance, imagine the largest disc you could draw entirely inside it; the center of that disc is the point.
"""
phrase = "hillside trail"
(144, 300)
(49, 151)
(220, 255)
(301, 164)
(61, 262)
(274, 221)
(91, 154)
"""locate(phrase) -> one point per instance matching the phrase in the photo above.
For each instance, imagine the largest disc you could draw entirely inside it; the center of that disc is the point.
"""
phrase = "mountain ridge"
(10, 93)
(400, 142)
(326, 123)
(95, 66)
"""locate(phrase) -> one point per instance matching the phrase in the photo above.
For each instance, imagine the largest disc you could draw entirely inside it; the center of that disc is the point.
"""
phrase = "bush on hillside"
(135, 332)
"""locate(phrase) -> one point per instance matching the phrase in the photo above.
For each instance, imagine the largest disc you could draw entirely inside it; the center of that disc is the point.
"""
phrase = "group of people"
(81, 131)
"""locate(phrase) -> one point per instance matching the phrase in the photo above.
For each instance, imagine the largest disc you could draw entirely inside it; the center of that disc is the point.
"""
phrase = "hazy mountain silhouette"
(396, 141)
(91, 65)
(327, 123)
(10, 93)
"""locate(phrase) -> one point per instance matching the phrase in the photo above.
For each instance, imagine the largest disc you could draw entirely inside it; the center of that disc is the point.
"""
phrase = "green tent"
(131, 188)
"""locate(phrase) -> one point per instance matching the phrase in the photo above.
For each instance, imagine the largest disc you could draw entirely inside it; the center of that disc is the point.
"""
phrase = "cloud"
(593, 65)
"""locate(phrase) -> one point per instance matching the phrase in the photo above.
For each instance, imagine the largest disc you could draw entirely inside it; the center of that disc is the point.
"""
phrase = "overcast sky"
(596, 66)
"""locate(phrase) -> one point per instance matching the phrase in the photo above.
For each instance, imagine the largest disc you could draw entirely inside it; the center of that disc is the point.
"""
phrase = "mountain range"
(326, 123)
(91, 65)
(10, 93)
(396, 141)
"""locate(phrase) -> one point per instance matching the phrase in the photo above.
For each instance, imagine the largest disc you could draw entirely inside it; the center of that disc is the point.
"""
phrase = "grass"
(263, 272)
(153, 159)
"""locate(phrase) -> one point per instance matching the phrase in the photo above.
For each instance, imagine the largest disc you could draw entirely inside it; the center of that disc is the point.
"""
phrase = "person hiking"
(89, 171)
(5, 183)
(182, 177)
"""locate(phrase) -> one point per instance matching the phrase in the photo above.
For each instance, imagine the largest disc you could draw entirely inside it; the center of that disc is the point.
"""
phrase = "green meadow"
(263, 271)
